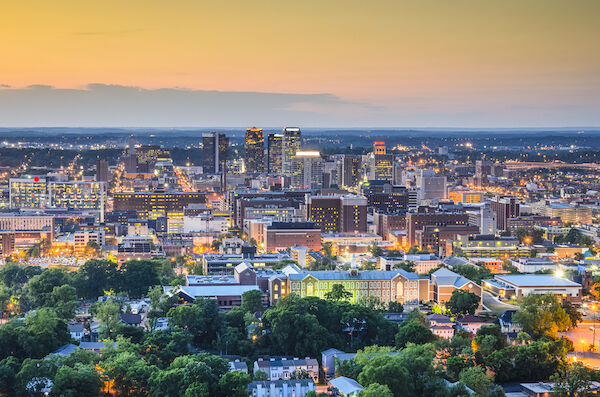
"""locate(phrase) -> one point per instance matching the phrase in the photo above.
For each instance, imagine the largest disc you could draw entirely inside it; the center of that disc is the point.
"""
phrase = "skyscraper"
(102, 170)
(351, 170)
(379, 147)
(274, 154)
(292, 137)
(131, 165)
(255, 150)
(215, 152)
(307, 170)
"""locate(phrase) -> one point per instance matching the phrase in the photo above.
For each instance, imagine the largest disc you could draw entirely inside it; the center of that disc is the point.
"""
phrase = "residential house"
(471, 323)
(281, 388)
(441, 326)
(345, 387)
(283, 368)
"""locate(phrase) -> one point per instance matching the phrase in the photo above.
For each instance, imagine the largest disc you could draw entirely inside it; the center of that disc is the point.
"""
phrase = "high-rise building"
(215, 152)
(307, 170)
(255, 150)
(275, 154)
(292, 137)
(351, 170)
(339, 213)
(426, 216)
(431, 186)
(156, 204)
(379, 147)
(131, 163)
(147, 156)
(505, 207)
(382, 167)
(41, 193)
(102, 174)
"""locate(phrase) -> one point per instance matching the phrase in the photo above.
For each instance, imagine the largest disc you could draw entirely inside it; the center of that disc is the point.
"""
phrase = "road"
(583, 336)
(494, 305)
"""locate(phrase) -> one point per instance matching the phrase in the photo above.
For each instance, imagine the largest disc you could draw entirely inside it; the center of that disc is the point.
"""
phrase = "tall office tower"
(148, 155)
(275, 153)
(292, 137)
(505, 207)
(223, 145)
(215, 152)
(102, 174)
(307, 170)
(381, 167)
(351, 170)
(131, 165)
(431, 186)
(379, 147)
(338, 213)
(255, 150)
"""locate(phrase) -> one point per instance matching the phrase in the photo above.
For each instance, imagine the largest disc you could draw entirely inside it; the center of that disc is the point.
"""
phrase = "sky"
(376, 63)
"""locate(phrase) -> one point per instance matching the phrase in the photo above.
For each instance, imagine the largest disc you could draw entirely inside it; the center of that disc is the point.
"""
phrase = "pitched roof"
(345, 385)
(447, 277)
(360, 275)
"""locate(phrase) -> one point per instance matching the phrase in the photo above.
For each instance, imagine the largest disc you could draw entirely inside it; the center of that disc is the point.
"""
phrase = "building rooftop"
(212, 290)
(534, 280)
(359, 275)
(346, 386)
(444, 276)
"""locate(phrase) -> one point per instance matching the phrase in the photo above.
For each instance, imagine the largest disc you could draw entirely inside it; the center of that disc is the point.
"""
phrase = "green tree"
(389, 371)
(376, 390)
(573, 380)
(338, 293)
(395, 307)
(139, 275)
(109, 314)
(8, 375)
(95, 277)
(234, 384)
(413, 332)
(463, 302)
(260, 375)
(78, 381)
(476, 379)
(252, 301)
(46, 332)
(41, 286)
(64, 301)
(348, 368)
(407, 266)
(542, 315)
(201, 320)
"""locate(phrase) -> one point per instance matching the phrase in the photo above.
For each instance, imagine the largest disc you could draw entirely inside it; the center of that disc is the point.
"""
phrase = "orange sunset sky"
(319, 63)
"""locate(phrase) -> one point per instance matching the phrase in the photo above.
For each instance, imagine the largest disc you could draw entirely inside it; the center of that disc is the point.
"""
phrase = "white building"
(307, 170)
(430, 186)
(83, 237)
(205, 224)
(281, 388)
(521, 285)
(283, 368)
(532, 265)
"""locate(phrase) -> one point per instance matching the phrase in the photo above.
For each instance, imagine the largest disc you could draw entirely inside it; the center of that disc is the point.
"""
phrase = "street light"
(594, 328)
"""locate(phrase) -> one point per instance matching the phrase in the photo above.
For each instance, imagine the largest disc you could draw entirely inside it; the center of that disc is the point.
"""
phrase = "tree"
(260, 375)
(8, 375)
(129, 374)
(407, 266)
(78, 381)
(95, 277)
(46, 332)
(41, 286)
(572, 312)
(348, 368)
(376, 390)
(139, 275)
(389, 371)
(64, 301)
(395, 307)
(573, 380)
(463, 302)
(476, 379)
(338, 293)
(109, 314)
(375, 249)
(201, 320)
(542, 315)
(413, 332)
(234, 384)
(252, 301)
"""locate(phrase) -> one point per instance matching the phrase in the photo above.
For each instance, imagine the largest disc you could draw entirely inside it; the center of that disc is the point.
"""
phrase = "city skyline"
(383, 64)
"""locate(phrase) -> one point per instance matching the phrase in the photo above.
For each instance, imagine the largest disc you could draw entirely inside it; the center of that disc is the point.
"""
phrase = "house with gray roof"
(445, 282)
